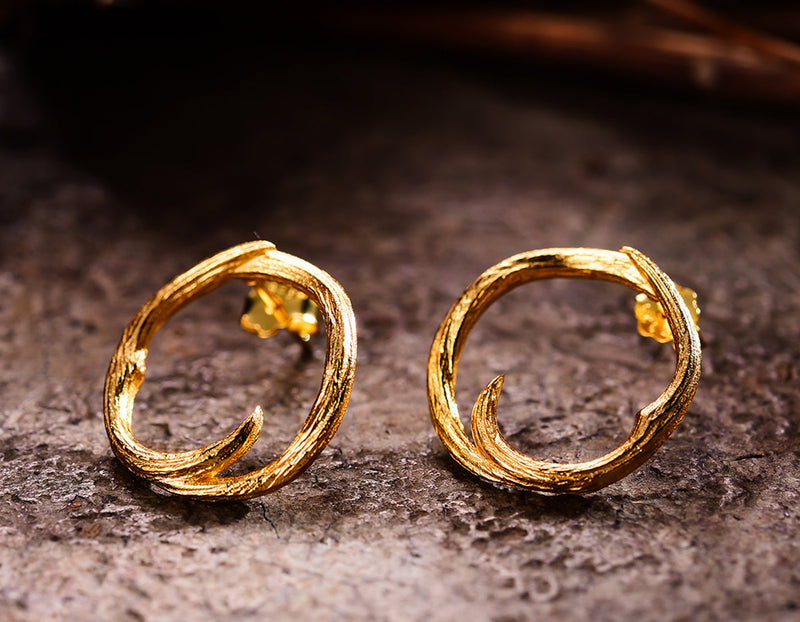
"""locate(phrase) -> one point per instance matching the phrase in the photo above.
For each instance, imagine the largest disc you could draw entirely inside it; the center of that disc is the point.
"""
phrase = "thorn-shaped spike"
(484, 413)
(218, 456)
(234, 446)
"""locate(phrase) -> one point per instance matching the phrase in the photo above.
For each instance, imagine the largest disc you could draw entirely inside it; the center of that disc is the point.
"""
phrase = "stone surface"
(404, 177)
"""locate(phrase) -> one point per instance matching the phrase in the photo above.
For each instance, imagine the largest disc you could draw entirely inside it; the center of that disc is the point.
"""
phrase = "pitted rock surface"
(404, 178)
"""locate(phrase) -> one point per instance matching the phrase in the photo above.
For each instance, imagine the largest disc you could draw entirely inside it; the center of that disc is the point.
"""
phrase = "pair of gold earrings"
(291, 293)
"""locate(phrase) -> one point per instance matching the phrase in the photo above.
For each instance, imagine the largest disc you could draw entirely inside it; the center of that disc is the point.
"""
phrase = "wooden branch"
(708, 62)
(736, 33)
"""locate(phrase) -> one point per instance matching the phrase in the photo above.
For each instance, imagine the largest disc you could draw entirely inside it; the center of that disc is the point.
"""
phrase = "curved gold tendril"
(489, 455)
(196, 472)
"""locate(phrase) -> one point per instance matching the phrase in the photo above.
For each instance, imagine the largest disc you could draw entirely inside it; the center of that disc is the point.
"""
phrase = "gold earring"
(287, 293)
(664, 313)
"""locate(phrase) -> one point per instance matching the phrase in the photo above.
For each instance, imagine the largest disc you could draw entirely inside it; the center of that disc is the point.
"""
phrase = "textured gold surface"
(488, 454)
(196, 472)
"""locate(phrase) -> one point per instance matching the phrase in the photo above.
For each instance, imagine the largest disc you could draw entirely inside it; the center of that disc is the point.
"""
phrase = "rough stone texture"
(404, 178)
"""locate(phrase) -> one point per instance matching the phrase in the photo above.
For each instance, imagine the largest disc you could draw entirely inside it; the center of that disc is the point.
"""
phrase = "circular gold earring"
(287, 293)
(664, 313)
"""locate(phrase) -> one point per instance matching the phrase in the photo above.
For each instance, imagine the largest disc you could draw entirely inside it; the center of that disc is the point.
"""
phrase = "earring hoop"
(196, 472)
(489, 455)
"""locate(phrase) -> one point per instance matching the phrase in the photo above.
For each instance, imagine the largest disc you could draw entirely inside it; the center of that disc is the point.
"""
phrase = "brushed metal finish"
(195, 473)
(488, 454)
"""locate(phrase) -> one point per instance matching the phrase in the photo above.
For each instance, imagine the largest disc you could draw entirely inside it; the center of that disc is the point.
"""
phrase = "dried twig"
(736, 33)
(732, 60)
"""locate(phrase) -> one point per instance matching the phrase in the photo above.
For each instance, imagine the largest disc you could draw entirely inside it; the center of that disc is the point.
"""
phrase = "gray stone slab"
(404, 181)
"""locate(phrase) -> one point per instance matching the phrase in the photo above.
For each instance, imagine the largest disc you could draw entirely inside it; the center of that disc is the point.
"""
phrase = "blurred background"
(213, 103)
